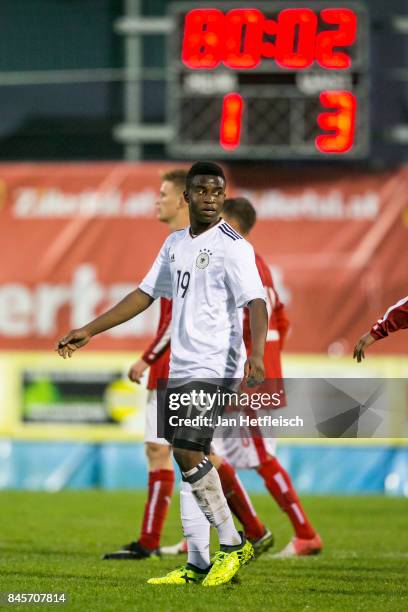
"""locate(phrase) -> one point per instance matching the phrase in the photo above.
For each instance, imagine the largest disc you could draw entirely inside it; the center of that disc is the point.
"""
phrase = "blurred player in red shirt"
(257, 452)
(394, 319)
(173, 210)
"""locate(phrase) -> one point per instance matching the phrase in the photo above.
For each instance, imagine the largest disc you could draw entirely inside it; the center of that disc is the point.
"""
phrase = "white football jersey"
(209, 278)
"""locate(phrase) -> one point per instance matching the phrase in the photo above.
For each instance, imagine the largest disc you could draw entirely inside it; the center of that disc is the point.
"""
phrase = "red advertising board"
(77, 237)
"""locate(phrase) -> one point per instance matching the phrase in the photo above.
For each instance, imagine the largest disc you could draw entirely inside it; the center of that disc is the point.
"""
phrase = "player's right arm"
(156, 283)
(137, 370)
(394, 319)
(133, 304)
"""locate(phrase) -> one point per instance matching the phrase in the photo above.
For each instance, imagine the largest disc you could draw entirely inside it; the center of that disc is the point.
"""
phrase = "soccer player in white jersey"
(172, 210)
(209, 272)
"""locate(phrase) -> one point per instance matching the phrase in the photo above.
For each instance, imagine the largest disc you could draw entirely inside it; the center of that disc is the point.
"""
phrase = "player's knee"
(187, 458)
(158, 455)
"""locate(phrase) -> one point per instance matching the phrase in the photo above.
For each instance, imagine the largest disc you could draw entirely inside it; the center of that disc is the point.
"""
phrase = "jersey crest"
(203, 259)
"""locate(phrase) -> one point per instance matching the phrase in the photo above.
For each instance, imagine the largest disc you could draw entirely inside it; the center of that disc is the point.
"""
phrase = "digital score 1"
(277, 81)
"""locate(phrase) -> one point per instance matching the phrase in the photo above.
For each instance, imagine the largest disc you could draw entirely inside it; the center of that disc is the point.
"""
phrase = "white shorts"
(244, 453)
(151, 420)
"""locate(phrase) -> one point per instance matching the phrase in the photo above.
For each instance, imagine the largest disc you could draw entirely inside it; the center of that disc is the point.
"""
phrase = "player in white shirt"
(209, 272)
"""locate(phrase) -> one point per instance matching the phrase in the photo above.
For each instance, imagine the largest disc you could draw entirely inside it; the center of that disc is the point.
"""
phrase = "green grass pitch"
(53, 543)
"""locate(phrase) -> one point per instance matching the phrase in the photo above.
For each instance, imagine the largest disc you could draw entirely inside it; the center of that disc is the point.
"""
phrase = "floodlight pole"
(132, 133)
(133, 87)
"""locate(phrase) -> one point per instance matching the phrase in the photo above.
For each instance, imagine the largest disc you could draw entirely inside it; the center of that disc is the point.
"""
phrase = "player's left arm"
(364, 342)
(258, 321)
(394, 319)
(246, 286)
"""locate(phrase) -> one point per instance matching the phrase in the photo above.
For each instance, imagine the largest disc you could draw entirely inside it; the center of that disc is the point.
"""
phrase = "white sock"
(208, 492)
(196, 528)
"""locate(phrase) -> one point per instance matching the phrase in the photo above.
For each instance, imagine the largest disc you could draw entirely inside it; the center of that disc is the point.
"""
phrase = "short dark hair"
(177, 176)
(203, 168)
(243, 211)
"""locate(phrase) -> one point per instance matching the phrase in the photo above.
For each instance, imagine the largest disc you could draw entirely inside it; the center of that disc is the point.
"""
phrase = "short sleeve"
(157, 282)
(242, 274)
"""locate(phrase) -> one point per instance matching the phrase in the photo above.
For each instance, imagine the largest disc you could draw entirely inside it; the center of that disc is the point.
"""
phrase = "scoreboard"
(268, 80)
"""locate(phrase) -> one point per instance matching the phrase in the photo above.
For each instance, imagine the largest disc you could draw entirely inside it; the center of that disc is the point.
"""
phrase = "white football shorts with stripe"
(150, 433)
(244, 453)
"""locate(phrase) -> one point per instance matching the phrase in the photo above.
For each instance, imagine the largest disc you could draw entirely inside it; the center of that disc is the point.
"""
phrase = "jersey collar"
(194, 236)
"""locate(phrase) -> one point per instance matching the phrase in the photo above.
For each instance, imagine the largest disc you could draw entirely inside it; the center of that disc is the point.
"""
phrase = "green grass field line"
(53, 543)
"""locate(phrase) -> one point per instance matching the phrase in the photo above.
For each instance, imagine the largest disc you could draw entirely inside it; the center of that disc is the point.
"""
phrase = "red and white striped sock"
(161, 484)
(239, 502)
(280, 486)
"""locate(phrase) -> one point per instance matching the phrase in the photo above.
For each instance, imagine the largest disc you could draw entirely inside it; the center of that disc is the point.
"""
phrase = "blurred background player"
(259, 453)
(394, 319)
(173, 210)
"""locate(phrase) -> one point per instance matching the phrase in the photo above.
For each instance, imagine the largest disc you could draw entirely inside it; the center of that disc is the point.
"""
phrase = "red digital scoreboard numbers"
(236, 39)
(270, 80)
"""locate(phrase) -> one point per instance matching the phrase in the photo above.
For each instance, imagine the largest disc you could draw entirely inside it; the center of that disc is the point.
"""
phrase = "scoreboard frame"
(221, 81)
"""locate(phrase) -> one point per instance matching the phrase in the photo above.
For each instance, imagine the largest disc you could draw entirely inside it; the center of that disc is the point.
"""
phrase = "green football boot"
(186, 574)
(227, 562)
